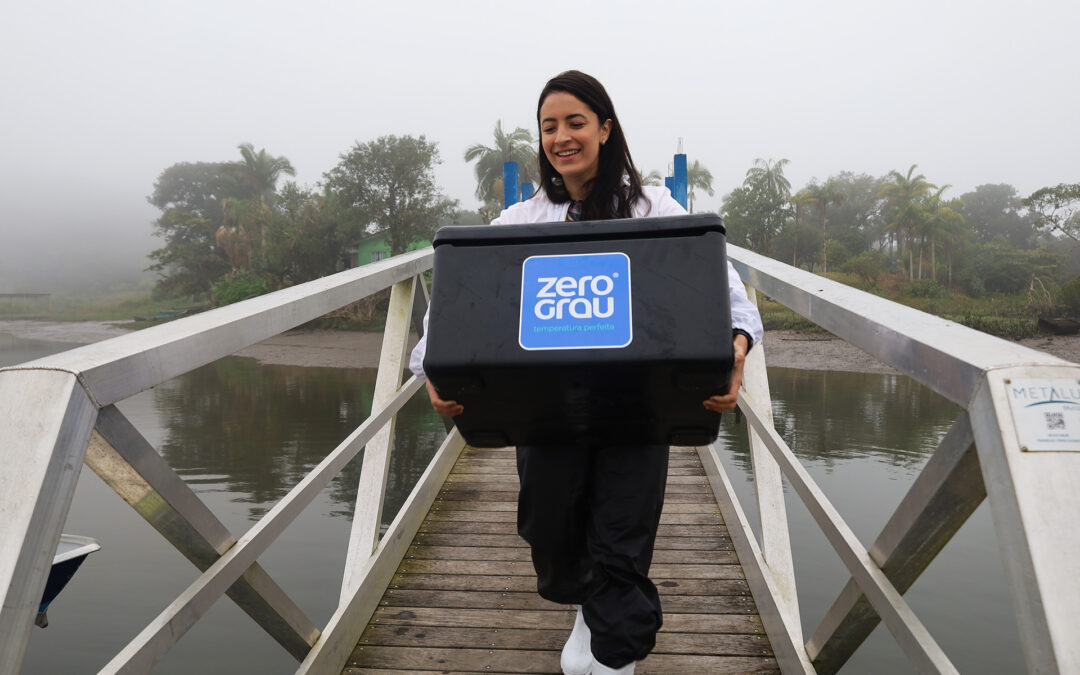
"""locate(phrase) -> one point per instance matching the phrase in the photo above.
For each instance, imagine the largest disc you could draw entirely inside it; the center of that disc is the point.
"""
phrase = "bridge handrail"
(58, 411)
(1032, 494)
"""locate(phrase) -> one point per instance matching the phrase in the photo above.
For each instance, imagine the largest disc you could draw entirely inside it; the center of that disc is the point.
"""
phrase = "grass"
(116, 305)
(1005, 316)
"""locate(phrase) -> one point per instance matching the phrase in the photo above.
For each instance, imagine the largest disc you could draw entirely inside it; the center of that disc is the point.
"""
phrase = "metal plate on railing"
(1046, 414)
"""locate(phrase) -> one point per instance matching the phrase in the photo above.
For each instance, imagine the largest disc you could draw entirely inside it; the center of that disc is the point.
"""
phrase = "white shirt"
(657, 202)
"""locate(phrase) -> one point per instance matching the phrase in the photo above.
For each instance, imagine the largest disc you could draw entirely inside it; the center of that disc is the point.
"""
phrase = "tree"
(856, 221)
(260, 171)
(756, 212)
(191, 196)
(697, 176)
(799, 199)
(903, 195)
(309, 236)
(997, 210)
(388, 185)
(868, 265)
(190, 261)
(1058, 209)
(651, 178)
(768, 176)
(516, 146)
(824, 194)
(941, 221)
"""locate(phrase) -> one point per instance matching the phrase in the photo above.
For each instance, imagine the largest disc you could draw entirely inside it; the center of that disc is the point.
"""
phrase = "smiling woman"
(589, 505)
(572, 136)
(584, 154)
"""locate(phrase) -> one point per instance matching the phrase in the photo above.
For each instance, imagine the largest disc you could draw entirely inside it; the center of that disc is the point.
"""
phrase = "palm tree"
(769, 175)
(943, 222)
(697, 176)
(260, 171)
(903, 195)
(824, 194)
(516, 146)
(799, 199)
(651, 178)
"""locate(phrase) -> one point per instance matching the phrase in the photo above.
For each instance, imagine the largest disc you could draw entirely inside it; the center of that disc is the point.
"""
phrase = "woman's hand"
(725, 402)
(444, 408)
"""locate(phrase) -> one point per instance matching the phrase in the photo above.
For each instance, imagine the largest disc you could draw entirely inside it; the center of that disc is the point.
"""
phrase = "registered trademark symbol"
(615, 274)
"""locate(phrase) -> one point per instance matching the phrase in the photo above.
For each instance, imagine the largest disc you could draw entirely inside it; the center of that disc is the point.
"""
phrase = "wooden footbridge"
(464, 598)
(448, 586)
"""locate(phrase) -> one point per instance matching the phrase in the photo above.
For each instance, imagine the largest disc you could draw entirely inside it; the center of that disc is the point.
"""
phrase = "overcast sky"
(97, 98)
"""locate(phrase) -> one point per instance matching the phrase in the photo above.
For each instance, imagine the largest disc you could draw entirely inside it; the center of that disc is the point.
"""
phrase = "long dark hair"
(617, 184)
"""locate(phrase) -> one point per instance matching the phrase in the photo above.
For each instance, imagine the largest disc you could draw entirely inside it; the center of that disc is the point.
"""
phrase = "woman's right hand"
(444, 408)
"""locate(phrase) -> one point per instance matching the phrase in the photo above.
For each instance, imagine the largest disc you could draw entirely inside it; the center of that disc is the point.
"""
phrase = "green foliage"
(995, 210)
(756, 212)
(999, 268)
(516, 146)
(1057, 209)
(238, 285)
(309, 236)
(1009, 327)
(697, 177)
(1070, 295)
(924, 288)
(868, 265)
(389, 186)
(214, 218)
(190, 259)
(260, 171)
(775, 316)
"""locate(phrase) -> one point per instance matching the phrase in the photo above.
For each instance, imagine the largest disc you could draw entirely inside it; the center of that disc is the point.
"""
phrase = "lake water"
(242, 434)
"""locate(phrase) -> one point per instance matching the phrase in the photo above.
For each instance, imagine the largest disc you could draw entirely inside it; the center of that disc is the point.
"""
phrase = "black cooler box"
(583, 332)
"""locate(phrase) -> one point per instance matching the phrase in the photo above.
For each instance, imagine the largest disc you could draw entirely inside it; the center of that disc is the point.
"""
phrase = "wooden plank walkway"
(464, 598)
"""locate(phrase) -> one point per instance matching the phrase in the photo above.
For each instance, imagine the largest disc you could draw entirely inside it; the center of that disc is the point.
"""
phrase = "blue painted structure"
(510, 184)
(678, 188)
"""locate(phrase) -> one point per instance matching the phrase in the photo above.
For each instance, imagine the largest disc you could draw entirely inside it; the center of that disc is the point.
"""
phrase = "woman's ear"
(605, 131)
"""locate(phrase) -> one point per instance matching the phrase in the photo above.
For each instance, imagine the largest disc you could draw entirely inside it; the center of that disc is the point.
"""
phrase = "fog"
(98, 98)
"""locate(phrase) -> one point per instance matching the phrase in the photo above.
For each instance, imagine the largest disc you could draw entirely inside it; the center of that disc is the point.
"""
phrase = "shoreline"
(355, 349)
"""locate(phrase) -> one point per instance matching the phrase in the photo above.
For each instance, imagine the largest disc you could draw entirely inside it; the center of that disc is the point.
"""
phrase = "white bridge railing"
(59, 412)
(1033, 494)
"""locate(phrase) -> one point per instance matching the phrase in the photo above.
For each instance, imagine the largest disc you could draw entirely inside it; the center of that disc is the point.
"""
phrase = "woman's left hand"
(725, 402)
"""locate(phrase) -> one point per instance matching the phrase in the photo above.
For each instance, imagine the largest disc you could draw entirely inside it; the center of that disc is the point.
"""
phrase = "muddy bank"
(347, 349)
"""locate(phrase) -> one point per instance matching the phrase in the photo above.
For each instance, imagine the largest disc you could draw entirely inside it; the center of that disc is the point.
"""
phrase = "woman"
(590, 512)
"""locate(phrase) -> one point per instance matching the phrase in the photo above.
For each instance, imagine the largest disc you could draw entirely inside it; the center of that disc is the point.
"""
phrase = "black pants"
(590, 515)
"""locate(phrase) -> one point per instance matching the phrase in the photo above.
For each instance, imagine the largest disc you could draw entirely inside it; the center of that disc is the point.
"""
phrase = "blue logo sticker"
(579, 301)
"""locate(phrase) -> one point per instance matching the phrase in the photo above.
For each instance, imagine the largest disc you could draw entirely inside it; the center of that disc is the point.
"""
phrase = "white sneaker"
(600, 669)
(577, 658)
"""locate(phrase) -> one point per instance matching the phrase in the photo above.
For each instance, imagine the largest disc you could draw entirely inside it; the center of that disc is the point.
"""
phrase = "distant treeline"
(229, 232)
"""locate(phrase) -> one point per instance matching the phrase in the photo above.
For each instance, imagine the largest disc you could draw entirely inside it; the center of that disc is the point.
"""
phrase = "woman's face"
(571, 135)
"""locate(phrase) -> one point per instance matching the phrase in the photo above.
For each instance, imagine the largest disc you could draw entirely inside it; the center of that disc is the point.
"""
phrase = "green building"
(377, 246)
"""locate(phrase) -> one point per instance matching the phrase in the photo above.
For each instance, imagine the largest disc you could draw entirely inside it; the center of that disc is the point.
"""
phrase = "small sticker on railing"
(1046, 414)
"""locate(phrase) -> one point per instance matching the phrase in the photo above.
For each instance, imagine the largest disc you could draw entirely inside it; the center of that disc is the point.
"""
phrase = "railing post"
(46, 418)
(128, 464)
(1035, 501)
(769, 486)
(947, 491)
(372, 489)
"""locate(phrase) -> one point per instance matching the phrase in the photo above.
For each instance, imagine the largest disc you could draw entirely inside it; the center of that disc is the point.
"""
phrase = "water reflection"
(828, 417)
(256, 430)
